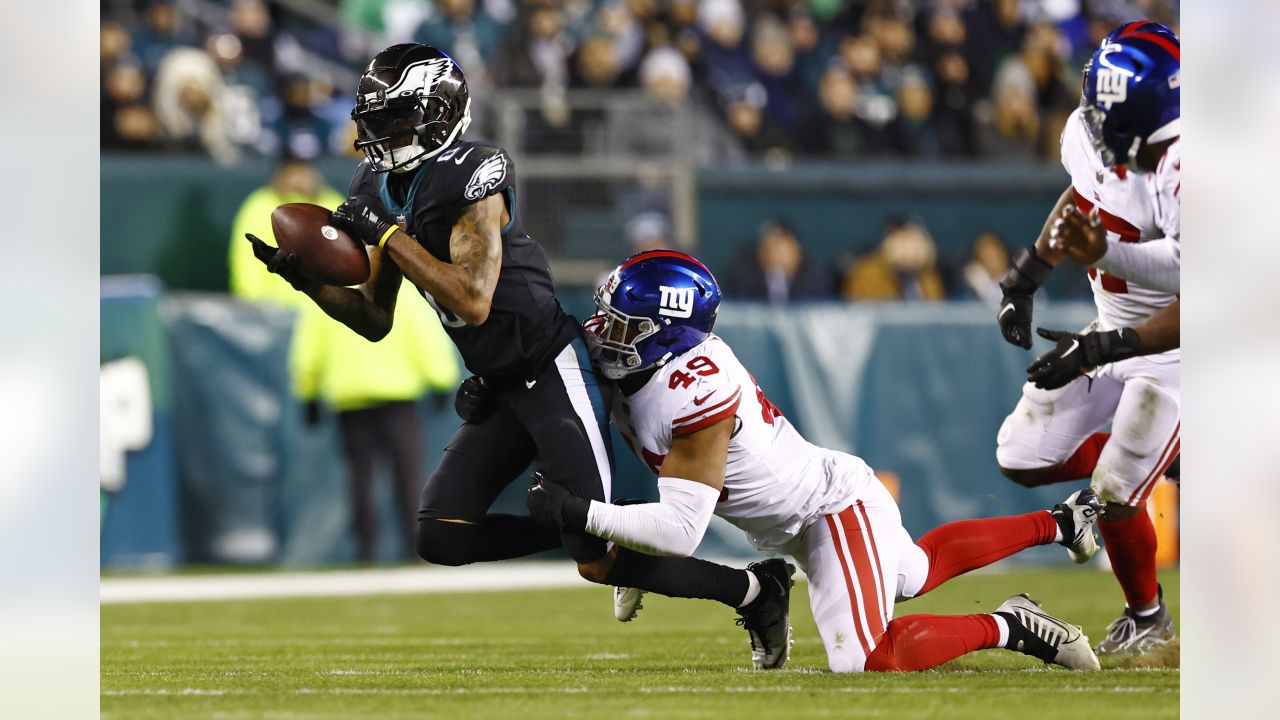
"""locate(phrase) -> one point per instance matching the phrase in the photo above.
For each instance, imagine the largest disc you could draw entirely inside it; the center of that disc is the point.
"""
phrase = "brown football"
(325, 253)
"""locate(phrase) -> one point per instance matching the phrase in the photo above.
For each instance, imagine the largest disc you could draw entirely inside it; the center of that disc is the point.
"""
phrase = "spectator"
(912, 129)
(294, 181)
(876, 105)
(755, 133)
(539, 57)
(1009, 127)
(251, 23)
(160, 34)
(649, 231)
(127, 121)
(789, 104)
(596, 63)
(189, 103)
(377, 411)
(724, 54)
(245, 86)
(776, 269)
(988, 263)
(902, 268)
(465, 32)
(844, 132)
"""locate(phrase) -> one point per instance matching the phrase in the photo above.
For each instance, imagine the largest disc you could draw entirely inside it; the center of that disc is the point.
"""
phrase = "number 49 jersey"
(1127, 210)
(776, 482)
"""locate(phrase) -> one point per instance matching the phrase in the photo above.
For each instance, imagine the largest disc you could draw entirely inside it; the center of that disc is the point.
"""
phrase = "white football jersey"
(1166, 188)
(776, 482)
(1127, 209)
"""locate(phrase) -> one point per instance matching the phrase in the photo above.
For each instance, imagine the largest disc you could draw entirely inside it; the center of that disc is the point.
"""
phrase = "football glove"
(551, 504)
(280, 262)
(1075, 355)
(364, 221)
(1019, 285)
(475, 400)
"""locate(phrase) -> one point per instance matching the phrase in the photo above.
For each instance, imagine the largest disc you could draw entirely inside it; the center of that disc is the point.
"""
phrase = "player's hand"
(364, 221)
(284, 264)
(475, 400)
(551, 504)
(1019, 285)
(1076, 354)
(1081, 237)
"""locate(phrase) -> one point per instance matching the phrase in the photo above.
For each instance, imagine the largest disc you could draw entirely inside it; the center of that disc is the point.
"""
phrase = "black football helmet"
(411, 104)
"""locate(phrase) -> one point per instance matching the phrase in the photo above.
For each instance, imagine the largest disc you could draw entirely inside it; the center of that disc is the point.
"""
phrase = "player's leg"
(1052, 435)
(958, 547)
(858, 559)
(1145, 440)
(401, 429)
(358, 443)
(480, 460)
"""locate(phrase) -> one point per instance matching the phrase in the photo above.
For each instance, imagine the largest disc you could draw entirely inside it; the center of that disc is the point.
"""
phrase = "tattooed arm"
(465, 285)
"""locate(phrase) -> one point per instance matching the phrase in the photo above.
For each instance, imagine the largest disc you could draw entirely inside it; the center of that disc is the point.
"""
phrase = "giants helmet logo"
(675, 302)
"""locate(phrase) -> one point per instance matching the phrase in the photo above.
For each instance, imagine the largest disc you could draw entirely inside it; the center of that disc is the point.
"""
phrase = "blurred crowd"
(840, 79)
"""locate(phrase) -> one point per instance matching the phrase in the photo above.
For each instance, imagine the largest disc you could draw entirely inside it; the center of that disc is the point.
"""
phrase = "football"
(325, 253)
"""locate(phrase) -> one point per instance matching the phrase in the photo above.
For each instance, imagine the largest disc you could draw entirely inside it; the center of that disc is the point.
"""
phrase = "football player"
(697, 418)
(441, 211)
(1124, 368)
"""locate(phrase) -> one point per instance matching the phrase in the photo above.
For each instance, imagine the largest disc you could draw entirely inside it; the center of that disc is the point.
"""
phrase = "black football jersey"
(526, 326)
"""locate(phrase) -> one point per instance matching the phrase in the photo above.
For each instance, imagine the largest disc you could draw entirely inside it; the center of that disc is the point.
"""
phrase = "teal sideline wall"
(916, 390)
(171, 217)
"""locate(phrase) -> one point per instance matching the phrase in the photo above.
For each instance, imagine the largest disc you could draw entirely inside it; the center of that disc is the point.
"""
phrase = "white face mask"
(407, 158)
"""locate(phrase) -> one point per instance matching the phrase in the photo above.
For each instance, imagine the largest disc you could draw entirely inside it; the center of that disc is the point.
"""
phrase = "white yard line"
(517, 575)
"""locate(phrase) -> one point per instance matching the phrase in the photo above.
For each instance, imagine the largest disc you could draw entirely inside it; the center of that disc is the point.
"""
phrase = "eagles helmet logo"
(486, 177)
(420, 77)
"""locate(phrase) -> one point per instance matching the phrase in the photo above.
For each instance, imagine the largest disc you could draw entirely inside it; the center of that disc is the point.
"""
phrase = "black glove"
(1024, 278)
(280, 262)
(475, 401)
(552, 505)
(1075, 355)
(364, 221)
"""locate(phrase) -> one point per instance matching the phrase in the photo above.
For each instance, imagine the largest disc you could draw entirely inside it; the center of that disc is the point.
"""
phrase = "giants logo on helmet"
(676, 302)
(1113, 87)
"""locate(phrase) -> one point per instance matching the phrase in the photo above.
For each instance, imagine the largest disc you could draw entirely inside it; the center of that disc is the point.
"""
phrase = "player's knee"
(844, 662)
(441, 543)
(597, 570)
(1026, 477)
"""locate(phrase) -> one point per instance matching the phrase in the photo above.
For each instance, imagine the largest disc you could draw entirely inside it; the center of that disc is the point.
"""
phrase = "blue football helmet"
(652, 307)
(1132, 92)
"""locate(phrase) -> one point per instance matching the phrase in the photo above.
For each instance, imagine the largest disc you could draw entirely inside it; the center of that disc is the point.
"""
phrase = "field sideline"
(558, 653)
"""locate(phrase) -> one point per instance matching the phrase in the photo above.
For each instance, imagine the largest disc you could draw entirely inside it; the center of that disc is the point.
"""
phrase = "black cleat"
(766, 618)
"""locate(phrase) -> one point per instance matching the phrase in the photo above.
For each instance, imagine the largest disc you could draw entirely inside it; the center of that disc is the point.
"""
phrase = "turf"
(560, 654)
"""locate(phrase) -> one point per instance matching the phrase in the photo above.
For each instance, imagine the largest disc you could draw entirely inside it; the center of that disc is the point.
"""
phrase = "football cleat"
(1049, 638)
(1077, 516)
(626, 603)
(1131, 634)
(766, 618)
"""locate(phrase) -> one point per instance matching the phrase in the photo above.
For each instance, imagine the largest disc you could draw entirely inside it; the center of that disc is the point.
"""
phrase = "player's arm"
(689, 486)
(1031, 267)
(465, 285)
(1078, 353)
(367, 309)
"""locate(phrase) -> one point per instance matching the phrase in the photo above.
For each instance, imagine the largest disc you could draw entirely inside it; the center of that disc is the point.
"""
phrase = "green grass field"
(560, 654)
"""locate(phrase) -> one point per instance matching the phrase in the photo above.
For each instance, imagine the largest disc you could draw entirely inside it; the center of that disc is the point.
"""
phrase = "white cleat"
(1063, 644)
(626, 603)
(1077, 516)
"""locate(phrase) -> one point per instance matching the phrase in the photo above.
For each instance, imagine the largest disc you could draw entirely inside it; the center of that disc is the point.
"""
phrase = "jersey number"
(700, 365)
(768, 410)
(447, 318)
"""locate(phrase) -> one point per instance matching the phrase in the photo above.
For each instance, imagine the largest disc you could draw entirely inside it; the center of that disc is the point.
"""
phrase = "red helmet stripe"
(662, 253)
(1163, 42)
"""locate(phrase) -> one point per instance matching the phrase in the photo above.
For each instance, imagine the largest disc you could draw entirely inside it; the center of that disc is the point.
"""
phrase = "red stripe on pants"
(849, 587)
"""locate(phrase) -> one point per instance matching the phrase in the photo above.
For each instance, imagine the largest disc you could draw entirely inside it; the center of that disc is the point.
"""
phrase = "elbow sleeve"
(672, 526)
(1156, 264)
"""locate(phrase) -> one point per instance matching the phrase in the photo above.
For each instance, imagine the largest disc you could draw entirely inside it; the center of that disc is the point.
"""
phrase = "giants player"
(696, 416)
(1124, 369)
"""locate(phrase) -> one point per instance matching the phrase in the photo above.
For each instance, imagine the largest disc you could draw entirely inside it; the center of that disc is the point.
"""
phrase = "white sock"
(1148, 613)
(1057, 534)
(753, 588)
(1004, 630)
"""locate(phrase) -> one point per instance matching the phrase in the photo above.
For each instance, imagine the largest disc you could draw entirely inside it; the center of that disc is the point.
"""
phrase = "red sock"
(1131, 545)
(956, 548)
(919, 642)
(1081, 463)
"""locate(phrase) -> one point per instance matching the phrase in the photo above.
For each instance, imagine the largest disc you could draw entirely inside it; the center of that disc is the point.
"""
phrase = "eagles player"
(1126, 129)
(441, 211)
(695, 415)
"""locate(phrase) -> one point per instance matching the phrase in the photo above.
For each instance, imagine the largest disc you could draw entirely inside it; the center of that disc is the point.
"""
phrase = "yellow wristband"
(390, 231)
